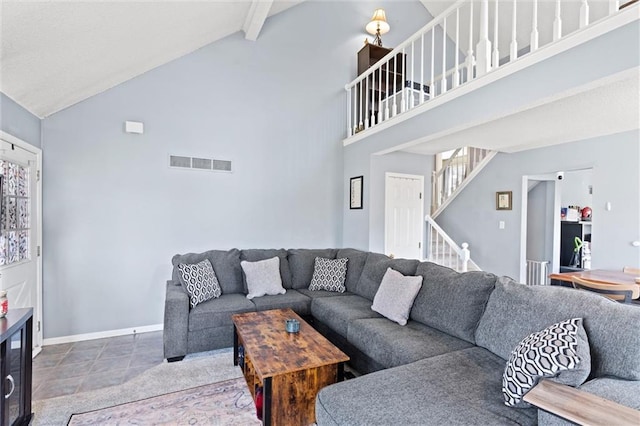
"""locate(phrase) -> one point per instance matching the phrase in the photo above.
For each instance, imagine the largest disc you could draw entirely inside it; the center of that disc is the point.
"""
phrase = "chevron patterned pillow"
(200, 282)
(329, 274)
(560, 352)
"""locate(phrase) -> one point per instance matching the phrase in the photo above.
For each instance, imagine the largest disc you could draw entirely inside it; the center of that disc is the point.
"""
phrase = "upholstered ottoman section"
(300, 303)
(391, 344)
(458, 388)
(217, 312)
(336, 312)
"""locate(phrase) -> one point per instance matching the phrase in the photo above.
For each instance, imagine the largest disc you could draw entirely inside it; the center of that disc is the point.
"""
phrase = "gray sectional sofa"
(445, 365)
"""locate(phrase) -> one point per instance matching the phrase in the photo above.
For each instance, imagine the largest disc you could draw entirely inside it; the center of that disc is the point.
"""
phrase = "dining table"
(604, 276)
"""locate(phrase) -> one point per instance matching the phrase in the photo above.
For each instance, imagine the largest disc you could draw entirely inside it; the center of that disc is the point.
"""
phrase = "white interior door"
(404, 212)
(20, 266)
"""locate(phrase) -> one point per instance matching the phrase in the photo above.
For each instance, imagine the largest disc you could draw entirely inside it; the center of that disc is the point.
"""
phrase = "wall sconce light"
(378, 26)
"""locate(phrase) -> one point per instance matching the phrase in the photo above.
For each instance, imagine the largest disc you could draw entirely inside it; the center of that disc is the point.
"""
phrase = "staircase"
(441, 249)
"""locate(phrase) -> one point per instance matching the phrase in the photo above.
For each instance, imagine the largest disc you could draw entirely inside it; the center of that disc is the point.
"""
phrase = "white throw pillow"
(329, 274)
(263, 277)
(395, 295)
(200, 282)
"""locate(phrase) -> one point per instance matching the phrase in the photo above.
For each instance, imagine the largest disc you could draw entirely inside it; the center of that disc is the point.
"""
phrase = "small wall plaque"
(504, 200)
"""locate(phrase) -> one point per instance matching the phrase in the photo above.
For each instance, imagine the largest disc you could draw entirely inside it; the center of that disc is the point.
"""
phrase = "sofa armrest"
(580, 406)
(176, 321)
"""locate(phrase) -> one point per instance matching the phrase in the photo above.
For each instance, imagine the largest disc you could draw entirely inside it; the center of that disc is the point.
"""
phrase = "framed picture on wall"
(355, 192)
(504, 200)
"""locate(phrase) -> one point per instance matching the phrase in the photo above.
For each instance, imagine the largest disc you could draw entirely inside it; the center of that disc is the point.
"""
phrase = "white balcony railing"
(441, 249)
(465, 42)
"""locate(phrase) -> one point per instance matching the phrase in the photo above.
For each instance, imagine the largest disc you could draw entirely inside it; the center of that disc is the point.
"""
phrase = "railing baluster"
(584, 14)
(380, 115)
(386, 93)
(614, 6)
(514, 42)
(496, 54)
(443, 82)
(360, 107)
(456, 74)
(412, 99)
(534, 27)
(470, 51)
(366, 103)
(557, 23)
(395, 79)
(404, 100)
(348, 111)
(421, 68)
(433, 54)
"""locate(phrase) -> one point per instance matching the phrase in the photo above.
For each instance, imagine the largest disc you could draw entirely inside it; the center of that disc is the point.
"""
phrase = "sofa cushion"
(263, 277)
(199, 281)
(560, 351)
(226, 264)
(319, 293)
(254, 255)
(355, 265)
(301, 263)
(300, 303)
(459, 388)
(374, 269)
(329, 275)
(450, 301)
(336, 312)
(514, 311)
(395, 296)
(391, 345)
(217, 312)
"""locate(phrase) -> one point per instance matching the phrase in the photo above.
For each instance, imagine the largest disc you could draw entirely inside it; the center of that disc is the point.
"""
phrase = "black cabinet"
(15, 367)
(568, 233)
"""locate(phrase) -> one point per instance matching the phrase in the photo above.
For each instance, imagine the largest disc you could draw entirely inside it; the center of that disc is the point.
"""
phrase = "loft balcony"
(531, 74)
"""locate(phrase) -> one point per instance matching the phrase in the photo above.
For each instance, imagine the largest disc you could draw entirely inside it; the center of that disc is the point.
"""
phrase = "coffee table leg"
(235, 346)
(340, 372)
(266, 406)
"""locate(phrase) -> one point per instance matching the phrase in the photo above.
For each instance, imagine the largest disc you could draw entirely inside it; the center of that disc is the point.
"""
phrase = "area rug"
(224, 403)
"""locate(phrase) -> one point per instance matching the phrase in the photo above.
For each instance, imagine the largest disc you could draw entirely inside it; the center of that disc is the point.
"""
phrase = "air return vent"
(197, 163)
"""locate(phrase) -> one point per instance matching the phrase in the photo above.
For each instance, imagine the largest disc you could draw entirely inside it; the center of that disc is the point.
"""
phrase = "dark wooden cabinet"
(15, 366)
(568, 232)
(379, 85)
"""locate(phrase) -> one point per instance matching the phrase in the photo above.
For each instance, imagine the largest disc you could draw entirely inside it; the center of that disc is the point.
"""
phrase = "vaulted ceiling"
(56, 53)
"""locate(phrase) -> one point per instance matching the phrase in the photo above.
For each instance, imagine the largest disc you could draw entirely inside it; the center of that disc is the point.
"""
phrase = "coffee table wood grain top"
(274, 351)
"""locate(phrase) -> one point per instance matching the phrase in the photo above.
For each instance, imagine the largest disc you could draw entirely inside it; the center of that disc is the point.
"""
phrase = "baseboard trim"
(102, 334)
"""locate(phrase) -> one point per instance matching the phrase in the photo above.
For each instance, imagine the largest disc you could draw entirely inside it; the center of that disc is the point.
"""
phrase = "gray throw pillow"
(263, 277)
(395, 295)
(329, 274)
(200, 282)
(560, 351)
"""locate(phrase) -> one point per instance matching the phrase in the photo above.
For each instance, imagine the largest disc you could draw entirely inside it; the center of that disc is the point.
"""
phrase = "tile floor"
(70, 368)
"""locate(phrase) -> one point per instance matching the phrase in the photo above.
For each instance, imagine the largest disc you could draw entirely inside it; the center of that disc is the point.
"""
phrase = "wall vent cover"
(198, 163)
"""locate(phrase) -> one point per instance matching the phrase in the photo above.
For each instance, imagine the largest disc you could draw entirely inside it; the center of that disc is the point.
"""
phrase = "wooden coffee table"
(290, 367)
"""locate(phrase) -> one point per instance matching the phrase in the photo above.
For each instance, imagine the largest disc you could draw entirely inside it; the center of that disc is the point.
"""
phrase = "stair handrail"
(462, 251)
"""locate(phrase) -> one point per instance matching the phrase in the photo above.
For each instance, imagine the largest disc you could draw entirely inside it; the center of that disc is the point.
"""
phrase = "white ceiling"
(56, 53)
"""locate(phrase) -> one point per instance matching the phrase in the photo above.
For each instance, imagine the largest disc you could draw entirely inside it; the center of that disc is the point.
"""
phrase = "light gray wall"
(575, 188)
(115, 213)
(18, 122)
(396, 162)
(615, 161)
(540, 222)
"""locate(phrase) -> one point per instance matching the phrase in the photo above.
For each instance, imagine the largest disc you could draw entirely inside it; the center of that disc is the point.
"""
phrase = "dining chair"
(623, 293)
(630, 270)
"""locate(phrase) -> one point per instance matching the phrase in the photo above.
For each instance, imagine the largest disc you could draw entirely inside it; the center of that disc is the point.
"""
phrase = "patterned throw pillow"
(395, 295)
(200, 281)
(560, 351)
(329, 274)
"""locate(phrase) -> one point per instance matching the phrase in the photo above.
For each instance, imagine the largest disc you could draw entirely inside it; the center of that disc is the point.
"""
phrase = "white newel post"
(584, 14)
(470, 59)
(495, 59)
(483, 48)
(534, 26)
(443, 82)
(557, 23)
(513, 54)
(466, 255)
(456, 75)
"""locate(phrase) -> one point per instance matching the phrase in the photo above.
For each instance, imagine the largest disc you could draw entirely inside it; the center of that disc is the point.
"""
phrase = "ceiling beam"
(258, 12)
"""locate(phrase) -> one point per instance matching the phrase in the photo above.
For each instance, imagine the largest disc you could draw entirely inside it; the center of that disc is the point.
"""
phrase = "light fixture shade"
(378, 22)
